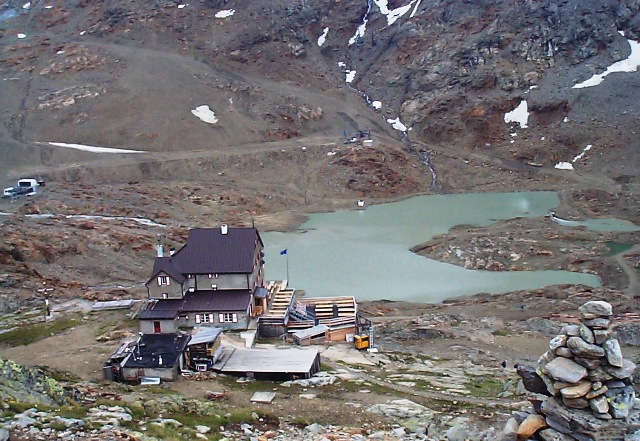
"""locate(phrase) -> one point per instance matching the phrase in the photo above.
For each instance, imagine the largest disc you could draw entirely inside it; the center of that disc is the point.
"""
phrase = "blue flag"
(283, 252)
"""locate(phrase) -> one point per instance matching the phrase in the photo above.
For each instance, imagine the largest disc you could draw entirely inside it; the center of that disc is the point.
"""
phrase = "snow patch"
(630, 64)
(225, 13)
(342, 64)
(359, 32)
(21, 36)
(396, 124)
(26, 5)
(520, 115)
(351, 74)
(376, 104)
(393, 14)
(581, 155)
(566, 119)
(92, 149)
(205, 114)
(181, 6)
(415, 9)
(564, 166)
(322, 38)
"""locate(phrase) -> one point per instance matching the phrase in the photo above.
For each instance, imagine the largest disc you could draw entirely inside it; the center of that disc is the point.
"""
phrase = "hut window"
(213, 276)
(163, 280)
(228, 317)
(204, 318)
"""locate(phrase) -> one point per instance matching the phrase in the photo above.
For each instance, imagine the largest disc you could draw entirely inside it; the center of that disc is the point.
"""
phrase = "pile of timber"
(330, 311)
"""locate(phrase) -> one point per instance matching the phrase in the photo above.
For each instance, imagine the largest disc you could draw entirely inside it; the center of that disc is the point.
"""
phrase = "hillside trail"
(633, 288)
(587, 180)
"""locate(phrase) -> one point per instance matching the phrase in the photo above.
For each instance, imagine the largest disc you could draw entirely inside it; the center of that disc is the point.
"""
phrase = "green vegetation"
(167, 433)
(500, 333)
(25, 335)
(487, 388)
(19, 406)
(299, 422)
(77, 412)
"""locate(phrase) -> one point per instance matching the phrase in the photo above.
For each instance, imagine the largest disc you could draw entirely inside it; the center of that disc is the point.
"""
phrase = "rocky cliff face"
(448, 70)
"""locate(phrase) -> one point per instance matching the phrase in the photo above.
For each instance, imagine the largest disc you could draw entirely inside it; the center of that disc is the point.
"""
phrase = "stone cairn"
(588, 383)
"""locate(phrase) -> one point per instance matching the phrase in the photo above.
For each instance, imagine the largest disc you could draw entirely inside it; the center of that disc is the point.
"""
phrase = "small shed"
(156, 355)
(272, 364)
(204, 349)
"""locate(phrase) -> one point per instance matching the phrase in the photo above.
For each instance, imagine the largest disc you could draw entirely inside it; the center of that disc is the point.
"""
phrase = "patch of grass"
(500, 333)
(57, 425)
(25, 335)
(251, 386)
(324, 367)
(240, 416)
(77, 412)
(195, 419)
(21, 406)
(487, 388)
(167, 433)
(351, 386)
(299, 422)
(451, 406)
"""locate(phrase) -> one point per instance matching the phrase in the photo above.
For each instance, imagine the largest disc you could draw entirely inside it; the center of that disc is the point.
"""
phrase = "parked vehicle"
(24, 187)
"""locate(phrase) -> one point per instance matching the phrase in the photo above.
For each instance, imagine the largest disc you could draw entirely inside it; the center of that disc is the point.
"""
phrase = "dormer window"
(213, 276)
(163, 280)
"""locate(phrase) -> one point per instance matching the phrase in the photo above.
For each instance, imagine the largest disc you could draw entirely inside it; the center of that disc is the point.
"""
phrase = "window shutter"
(221, 318)
(197, 318)
(235, 318)
(168, 281)
(159, 281)
(210, 318)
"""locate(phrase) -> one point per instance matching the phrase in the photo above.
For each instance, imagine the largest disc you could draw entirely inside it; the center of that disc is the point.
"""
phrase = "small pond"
(365, 253)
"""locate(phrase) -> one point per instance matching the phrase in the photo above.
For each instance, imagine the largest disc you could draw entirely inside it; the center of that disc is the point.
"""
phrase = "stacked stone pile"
(585, 367)
(588, 383)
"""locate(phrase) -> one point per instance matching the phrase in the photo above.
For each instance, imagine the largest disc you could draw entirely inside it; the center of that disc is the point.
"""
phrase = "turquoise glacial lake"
(365, 253)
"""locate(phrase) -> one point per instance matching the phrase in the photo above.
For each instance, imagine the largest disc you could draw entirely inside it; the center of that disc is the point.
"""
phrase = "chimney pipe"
(160, 250)
(224, 229)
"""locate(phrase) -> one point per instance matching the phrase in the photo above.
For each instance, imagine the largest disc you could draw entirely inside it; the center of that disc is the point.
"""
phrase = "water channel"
(365, 253)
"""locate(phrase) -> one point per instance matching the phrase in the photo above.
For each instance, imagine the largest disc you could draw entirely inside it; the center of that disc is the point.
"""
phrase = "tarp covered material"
(310, 332)
(205, 336)
(285, 361)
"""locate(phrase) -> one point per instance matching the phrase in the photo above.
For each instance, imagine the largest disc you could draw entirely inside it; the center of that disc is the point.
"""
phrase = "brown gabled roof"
(208, 251)
(200, 301)
(167, 265)
(223, 301)
(162, 309)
